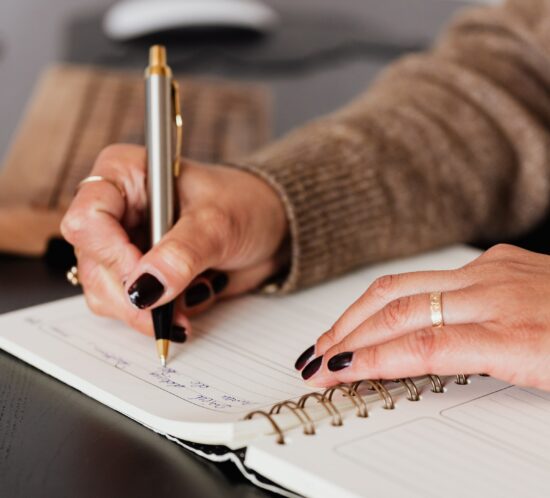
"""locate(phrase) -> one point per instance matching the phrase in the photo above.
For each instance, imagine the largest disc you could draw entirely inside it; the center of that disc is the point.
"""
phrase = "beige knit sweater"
(447, 146)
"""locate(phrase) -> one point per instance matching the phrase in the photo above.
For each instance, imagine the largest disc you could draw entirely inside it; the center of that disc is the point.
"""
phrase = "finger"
(410, 313)
(196, 242)
(214, 285)
(385, 290)
(93, 221)
(104, 296)
(445, 351)
(250, 279)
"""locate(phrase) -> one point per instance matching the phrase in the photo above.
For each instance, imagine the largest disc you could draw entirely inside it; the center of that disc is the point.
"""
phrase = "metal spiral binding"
(461, 379)
(410, 386)
(437, 385)
(280, 436)
(379, 388)
(301, 414)
(356, 400)
(351, 392)
(327, 404)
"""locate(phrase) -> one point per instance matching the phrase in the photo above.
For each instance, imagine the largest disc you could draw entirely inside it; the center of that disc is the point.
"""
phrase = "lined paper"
(435, 459)
(514, 416)
(231, 364)
(239, 358)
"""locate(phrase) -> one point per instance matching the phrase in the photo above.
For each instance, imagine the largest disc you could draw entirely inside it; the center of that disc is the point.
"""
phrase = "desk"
(53, 440)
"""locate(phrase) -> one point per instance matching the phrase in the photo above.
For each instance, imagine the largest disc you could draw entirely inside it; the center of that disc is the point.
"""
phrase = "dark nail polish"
(304, 358)
(312, 367)
(219, 282)
(197, 294)
(178, 334)
(340, 361)
(145, 291)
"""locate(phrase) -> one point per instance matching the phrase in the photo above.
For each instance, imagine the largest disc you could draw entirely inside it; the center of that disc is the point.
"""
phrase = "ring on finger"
(436, 309)
(98, 178)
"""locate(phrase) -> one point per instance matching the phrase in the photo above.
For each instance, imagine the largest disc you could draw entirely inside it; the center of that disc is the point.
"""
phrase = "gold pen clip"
(179, 126)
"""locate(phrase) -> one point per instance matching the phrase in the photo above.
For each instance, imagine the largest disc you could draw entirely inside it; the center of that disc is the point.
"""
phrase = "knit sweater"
(447, 146)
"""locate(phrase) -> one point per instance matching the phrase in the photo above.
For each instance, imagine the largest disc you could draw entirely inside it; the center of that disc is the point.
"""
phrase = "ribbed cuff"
(336, 205)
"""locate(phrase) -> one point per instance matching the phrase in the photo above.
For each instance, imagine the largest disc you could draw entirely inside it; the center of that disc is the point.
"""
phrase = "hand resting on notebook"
(496, 321)
(229, 220)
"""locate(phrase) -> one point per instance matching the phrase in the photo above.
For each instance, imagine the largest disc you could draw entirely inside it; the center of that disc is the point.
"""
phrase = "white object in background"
(133, 18)
(488, 2)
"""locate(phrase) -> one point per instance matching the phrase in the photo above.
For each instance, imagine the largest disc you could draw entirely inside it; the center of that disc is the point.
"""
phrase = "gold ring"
(72, 276)
(97, 178)
(436, 309)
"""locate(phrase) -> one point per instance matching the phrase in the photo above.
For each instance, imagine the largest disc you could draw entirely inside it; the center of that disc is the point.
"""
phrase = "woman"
(451, 145)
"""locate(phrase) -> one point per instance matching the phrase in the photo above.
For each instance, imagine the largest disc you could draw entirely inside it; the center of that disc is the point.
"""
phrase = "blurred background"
(317, 55)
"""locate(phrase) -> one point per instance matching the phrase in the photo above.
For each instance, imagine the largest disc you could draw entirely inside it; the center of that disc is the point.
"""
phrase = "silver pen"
(162, 114)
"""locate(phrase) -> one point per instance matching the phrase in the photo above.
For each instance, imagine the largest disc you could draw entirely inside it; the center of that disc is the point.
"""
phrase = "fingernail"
(145, 291)
(304, 357)
(340, 361)
(178, 334)
(219, 282)
(312, 368)
(197, 294)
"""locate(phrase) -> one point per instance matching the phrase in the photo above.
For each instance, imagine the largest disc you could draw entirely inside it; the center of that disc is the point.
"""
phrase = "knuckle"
(180, 256)
(73, 224)
(110, 259)
(383, 286)
(326, 340)
(120, 158)
(423, 345)
(114, 152)
(501, 250)
(221, 227)
(111, 150)
(369, 361)
(395, 312)
(213, 216)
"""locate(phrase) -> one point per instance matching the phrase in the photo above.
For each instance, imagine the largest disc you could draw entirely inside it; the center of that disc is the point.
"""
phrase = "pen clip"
(179, 126)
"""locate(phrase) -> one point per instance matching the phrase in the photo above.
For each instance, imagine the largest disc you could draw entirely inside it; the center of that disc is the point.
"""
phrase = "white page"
(486, 439)
(240, 357)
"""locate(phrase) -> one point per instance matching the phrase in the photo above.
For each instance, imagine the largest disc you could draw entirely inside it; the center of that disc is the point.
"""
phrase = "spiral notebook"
(231, 393)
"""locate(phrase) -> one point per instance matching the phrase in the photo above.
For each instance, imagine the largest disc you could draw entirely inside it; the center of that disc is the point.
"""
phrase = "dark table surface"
(54, 441)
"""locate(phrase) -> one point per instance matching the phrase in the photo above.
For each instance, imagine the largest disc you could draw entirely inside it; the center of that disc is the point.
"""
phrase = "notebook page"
(485, 439)
(240, 357)
(515, 417)
(229, 367)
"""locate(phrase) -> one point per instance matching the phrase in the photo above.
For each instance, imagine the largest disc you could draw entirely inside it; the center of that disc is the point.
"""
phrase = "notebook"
(224, 396)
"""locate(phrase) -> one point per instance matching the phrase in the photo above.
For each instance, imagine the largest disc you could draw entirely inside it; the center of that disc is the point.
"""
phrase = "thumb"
(196, 242)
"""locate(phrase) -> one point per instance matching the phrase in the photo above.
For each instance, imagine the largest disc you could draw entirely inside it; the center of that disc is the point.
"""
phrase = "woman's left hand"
(496, 313)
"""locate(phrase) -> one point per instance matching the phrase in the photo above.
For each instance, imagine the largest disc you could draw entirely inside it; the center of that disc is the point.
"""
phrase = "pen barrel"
(160, 174)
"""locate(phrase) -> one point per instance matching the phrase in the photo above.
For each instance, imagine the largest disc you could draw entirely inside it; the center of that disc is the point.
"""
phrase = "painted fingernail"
(197, 294)
(304, 358)
(312, 368)
(340, 361)
(178, 334)
(219, 282)
(145, 291)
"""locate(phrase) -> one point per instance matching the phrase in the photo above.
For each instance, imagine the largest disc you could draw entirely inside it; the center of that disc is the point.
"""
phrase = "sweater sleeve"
(447, 146)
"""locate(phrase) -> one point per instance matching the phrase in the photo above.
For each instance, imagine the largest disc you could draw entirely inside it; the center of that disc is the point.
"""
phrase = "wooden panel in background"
(78, 110)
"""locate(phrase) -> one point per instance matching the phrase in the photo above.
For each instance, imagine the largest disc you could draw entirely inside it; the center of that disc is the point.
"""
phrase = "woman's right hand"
(232, 225)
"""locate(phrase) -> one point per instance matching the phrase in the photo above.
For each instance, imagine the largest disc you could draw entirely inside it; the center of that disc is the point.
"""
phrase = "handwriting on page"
(233, 367)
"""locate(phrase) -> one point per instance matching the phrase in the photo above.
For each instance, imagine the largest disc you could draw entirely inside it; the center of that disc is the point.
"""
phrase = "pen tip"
(163, 361)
